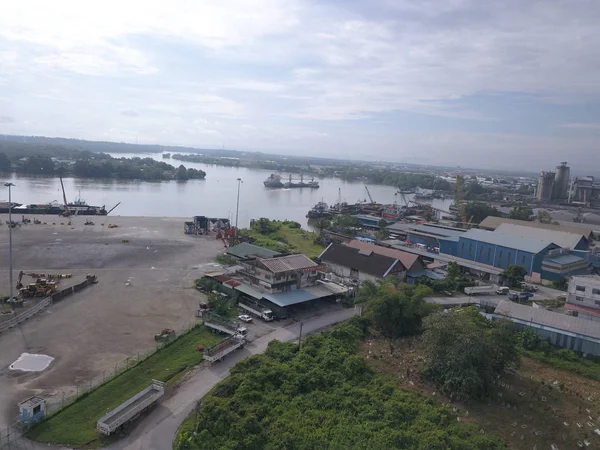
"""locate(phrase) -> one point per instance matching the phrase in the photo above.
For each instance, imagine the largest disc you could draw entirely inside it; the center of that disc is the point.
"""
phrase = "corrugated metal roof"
(296, 296)
(372, 264)
(407, 259)
(244, 250)
(438, 231)
(492, 223)
(548, 318)
(507, 240)
(564, 259)
(286, 263)
(560, 238)
(249, 290)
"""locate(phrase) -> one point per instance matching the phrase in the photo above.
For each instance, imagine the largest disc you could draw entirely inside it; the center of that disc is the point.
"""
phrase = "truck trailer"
(218, 351)
(480, 290)
(223, 325)
(257, 310)
(131, 409)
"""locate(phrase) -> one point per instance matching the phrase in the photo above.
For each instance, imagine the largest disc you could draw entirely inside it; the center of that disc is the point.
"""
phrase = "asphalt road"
(157, 431)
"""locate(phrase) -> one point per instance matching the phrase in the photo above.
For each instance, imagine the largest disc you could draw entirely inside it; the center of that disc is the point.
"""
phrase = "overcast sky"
(497, 83)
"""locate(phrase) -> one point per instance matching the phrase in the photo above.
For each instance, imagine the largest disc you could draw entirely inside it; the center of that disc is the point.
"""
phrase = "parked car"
(446, 293)
(245, 318)
(529, 287)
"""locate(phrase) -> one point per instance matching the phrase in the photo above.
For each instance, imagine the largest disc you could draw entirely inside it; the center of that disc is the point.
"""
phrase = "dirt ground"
(144, 285)
(536, 407)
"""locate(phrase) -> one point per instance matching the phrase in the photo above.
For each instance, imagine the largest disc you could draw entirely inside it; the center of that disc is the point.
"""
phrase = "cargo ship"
(312, 184)
(77, 208)
(274, 181)
(320, 210)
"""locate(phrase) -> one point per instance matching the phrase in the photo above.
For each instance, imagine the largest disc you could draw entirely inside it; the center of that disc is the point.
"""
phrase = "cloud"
(129, 112)
(311, 73)
(582, 125)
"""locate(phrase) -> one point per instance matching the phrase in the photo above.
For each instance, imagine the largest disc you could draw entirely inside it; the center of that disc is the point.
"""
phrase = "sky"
(505, 84)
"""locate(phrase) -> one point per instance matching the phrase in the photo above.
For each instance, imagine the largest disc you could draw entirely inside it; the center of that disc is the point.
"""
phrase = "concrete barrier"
(25, 315)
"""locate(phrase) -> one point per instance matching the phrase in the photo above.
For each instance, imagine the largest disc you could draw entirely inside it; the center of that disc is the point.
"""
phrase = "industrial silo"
(561, 182)
(545, 186)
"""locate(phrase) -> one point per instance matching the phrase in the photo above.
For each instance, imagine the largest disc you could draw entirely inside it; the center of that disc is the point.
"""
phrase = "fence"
(56, 297)
(13, 436)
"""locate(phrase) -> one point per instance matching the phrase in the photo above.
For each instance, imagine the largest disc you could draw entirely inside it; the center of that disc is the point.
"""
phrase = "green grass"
(295, 239)
(75, 425)
(574, 363)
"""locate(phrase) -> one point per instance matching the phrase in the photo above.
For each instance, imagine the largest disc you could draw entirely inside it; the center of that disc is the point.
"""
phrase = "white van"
(502, 290)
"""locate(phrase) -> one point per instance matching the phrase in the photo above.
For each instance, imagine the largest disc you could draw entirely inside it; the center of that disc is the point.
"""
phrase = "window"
(37, 409)
(462, 247)
(523, 260)
(509, 258)
(470, 249)
(580, 288)
(489, 253)
(500, 256)
(597, 302)
(579, 299)
(595, 291)
(480, 251)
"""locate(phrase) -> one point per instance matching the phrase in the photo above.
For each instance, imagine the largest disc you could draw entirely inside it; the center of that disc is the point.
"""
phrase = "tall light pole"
(10, 225)
(237, 207)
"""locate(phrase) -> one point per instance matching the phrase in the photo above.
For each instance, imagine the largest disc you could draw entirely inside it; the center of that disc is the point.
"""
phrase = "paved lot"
(144, 285)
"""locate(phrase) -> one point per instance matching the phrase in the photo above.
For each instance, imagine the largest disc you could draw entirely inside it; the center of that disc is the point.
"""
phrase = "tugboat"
(274, 181)
(318, 211)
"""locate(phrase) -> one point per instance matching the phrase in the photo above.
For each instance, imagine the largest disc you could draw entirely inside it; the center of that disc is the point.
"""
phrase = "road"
(157, 430)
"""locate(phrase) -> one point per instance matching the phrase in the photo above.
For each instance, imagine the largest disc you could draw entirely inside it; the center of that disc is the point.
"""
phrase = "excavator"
(41, 288)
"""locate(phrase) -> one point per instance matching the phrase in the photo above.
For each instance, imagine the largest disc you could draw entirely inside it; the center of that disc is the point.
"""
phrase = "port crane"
(369, 194)
(66, 213)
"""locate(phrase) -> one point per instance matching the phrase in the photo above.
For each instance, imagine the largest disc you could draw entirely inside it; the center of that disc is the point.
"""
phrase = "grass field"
(297, 239)
(535, 407)
(75, 425)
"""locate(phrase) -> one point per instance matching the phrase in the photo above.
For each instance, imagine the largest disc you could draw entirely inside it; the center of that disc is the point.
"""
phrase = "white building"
(583, 298)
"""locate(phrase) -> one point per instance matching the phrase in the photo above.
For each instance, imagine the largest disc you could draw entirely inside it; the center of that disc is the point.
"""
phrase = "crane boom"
(369, 194)
(67, 212)
(113, 208)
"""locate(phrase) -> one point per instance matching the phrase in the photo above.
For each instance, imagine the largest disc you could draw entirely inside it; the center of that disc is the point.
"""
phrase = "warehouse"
(561, 330)
(492, 223)
(572, 241)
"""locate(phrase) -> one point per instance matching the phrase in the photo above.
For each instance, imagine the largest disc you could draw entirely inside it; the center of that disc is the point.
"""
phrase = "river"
(213, 197)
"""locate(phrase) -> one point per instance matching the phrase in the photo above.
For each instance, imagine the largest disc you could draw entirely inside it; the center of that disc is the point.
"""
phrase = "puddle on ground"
(29, 362)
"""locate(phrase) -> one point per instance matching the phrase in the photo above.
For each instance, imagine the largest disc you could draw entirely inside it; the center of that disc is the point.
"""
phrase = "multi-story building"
(583, 297)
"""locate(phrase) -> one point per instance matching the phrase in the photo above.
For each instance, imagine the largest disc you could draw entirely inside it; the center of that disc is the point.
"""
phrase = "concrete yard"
(145, 285)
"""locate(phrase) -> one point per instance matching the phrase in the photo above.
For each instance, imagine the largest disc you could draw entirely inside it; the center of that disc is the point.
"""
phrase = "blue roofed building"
(542, 258)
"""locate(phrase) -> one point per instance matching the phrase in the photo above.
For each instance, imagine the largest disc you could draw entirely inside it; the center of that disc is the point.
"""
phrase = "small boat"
(274, 181)
(424, 193)
(166, 155)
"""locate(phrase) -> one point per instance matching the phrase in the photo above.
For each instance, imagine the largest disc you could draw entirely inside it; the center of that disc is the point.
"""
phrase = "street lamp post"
(237, 207)
(10, 225)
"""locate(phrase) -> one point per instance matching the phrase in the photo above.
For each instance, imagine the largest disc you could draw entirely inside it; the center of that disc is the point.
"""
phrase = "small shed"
(32, 409)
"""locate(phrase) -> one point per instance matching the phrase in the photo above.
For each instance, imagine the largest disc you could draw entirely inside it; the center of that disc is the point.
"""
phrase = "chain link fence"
(13, 436)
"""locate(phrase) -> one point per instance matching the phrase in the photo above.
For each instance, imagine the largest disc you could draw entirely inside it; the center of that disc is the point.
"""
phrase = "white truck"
(257, 311)
(131, 409)
(218, 351)
(480, 290)
(223, 325)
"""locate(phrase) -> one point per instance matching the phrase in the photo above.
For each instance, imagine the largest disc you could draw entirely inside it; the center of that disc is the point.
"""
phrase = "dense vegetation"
(282, 236)
(466, 353)
(75, 425)
(51, 160)
(404, 180)
(477, 211)
(320, 397)
(513, 275)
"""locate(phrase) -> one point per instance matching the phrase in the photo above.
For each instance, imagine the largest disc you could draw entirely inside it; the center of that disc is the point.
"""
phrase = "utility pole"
(237, 208)
(10, 225)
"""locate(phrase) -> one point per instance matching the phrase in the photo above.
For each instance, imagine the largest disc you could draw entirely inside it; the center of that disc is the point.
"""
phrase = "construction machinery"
(165, 335)
(369, 194)
(218, 351)
(66, 212)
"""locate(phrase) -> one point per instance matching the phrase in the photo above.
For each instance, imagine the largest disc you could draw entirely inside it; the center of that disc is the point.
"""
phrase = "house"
(244, 250)
(561, 330)
(363, 261)
(583, 297)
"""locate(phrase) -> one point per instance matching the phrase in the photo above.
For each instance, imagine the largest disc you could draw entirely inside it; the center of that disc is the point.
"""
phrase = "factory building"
(560, 190)
(561, 330)
(493, 223)
(586, 191)
(542, 258)
(583, 298)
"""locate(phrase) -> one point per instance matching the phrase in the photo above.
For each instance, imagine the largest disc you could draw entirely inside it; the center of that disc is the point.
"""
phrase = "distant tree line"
(52, 161)
(403, 180)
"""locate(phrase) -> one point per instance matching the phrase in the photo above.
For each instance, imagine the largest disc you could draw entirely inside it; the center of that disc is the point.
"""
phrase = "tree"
(474, 189)
(5, 165)
(383, 233)
(520, 213)
(513, 275)
(544, 216)
(182, 173)
(466, 353)
(395, 308)
(454, 271)
(477, 211)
